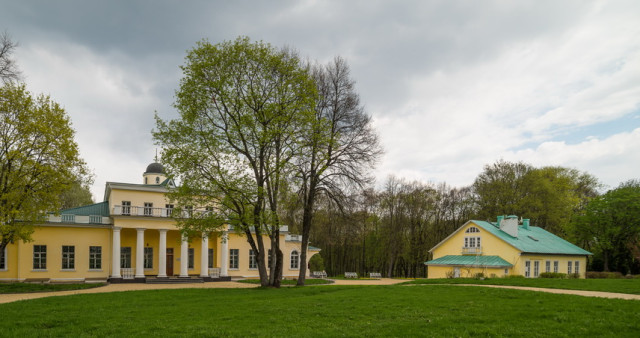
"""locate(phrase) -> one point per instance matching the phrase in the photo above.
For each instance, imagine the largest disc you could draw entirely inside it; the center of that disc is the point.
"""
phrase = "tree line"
(391, 229)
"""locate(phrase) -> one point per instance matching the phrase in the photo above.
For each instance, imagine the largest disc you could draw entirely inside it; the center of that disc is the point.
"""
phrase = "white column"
(162, 253)
(184, 257)
(224, 256)
(140, 254)
(115, 254)
(204, 256)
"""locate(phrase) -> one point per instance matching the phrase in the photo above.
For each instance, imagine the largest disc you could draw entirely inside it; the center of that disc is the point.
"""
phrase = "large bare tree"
(8, 68)
(340, 146)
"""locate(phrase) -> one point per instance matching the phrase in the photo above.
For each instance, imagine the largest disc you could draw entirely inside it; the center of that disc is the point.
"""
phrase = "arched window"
(295, 260)
(157, 180)
(472, 230)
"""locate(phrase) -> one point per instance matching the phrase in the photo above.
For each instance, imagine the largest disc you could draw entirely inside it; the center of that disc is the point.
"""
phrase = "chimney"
(500, 218)
(525, 223)
(510, 225)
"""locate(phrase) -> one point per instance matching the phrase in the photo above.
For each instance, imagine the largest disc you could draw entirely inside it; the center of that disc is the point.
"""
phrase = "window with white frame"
(39, 257)
(234, 256)
(295, 260)
(471, 230)
(253, 262)
(168, 209)
(555, 266)
(569, 267)
(536, 268)
(527, 268)
(3, 259)
(148, 258)
(125, 257)
(269, 260)
(68, 257)
(148, 209)
(577, 267)
(95, 257)
(472, 242)
(191, 258)
(210, 253)
(126, 207)
(547, 266)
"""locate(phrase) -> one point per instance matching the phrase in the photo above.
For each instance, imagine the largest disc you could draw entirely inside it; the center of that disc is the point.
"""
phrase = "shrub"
(574, 275)
(553, 275)
(604, 275)
(450, 274)
(316, 263)
(514, 276)
(479, 275)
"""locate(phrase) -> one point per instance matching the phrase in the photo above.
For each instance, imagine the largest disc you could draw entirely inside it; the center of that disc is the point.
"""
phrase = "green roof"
(534, 240)
(98, 209)
(470, 260)
(313, 248)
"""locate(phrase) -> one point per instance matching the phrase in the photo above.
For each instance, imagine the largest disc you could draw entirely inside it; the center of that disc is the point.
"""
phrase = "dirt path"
(8, 298)
(557, 291)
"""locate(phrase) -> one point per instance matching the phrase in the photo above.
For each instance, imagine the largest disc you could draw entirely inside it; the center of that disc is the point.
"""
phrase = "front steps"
(174, 280)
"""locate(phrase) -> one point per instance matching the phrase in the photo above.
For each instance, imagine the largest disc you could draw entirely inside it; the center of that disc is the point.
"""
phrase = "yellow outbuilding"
(504, 248)
(132, 237)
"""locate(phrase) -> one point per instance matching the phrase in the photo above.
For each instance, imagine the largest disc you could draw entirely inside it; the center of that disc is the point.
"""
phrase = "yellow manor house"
(130, 237)
(504, 248)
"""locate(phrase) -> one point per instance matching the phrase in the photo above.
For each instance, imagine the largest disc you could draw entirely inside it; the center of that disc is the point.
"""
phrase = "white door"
(456, 272)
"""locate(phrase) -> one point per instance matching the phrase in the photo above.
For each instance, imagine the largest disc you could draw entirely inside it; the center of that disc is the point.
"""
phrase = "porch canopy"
(468, 260)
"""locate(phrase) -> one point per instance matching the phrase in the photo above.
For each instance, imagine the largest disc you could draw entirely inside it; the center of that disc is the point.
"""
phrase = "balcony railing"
(79, 219)
(132, 210)
(472, 250)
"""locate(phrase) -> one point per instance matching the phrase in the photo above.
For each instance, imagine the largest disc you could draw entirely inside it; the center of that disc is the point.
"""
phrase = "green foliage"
(39, 160)
(604, 275)
(316, 263)
(393, 311)
(243, 108)
(548, 196)
(77, 195)
(559, 275)
(609, 225)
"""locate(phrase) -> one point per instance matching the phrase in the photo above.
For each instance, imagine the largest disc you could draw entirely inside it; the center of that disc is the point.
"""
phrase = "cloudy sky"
(451, 85)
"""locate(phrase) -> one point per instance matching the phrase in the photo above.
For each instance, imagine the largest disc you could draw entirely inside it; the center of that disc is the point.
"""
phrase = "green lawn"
(631, 286)
(28, 287)
(399, 310)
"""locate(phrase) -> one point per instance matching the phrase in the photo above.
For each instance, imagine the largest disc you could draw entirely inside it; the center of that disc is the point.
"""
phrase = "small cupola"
(154, 174)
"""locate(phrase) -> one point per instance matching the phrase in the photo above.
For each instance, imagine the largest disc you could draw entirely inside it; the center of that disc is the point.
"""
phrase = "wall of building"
(563, 264)
(20, 255)
(466, 272)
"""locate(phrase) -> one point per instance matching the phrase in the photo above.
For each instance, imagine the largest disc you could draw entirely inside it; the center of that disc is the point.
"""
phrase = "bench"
(318, 274)
(351, 275)
(375, 275)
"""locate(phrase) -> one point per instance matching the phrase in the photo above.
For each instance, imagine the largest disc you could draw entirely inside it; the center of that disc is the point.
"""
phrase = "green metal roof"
(313, 248)
(534, 240)
(98, 209)
(470, 260)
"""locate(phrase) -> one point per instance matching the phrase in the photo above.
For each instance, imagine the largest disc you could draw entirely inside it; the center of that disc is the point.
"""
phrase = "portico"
(163, 253)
